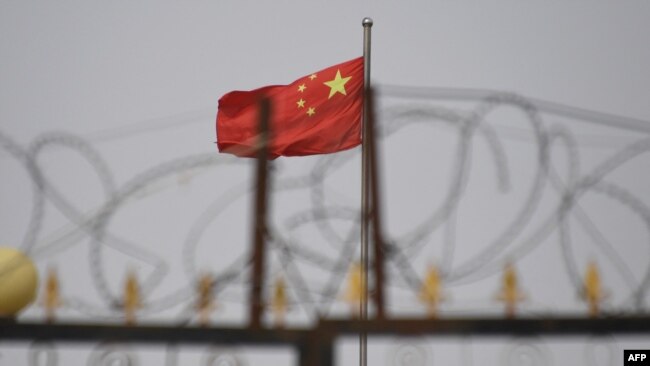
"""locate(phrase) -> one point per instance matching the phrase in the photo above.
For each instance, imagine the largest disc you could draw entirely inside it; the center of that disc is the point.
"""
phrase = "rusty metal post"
(259, 216)
(378, 238)
(316, 350)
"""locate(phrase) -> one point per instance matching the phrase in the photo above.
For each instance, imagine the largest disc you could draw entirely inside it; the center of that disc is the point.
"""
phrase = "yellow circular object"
(18, 281)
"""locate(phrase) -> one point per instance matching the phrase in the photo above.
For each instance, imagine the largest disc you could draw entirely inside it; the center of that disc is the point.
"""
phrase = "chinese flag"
(319, 113)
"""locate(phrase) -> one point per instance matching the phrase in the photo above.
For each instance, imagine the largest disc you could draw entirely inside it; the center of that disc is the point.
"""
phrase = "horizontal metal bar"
(325, 331)
(149, 334)
(555, 326)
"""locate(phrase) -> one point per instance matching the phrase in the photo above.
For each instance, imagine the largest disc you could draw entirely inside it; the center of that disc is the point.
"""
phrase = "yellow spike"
(431, 291)
(355, 288)
(132, 301)
(593, 291)
(205, 302)
(510, 293)
(280, 302)
(51, 295)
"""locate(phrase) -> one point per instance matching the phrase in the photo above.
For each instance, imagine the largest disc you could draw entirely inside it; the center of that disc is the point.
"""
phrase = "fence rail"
(315, 346)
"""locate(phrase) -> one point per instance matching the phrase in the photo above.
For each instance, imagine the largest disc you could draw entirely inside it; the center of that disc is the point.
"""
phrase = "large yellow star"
(338, 84)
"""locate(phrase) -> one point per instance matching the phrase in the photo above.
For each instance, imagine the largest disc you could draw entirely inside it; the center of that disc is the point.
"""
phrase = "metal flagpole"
(365, 192)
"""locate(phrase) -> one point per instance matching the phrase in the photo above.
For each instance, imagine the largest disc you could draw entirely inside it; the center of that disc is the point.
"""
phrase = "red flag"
(317, 114)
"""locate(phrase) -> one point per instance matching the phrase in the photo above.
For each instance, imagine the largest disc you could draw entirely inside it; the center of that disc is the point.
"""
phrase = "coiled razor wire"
(400, 250)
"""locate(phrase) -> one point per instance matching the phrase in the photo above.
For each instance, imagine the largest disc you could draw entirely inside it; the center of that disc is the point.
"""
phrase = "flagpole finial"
(366, 22)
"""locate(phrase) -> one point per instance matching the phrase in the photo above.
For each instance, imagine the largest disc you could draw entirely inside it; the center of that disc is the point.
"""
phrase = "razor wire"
(401, 249)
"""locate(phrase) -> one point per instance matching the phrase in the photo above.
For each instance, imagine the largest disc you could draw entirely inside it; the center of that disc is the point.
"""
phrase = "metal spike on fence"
(132, 299)
(593, 292)
(355, 290)
(431, 291)
(51, 295)
(510, 293)
(280, 302)
(205, 300)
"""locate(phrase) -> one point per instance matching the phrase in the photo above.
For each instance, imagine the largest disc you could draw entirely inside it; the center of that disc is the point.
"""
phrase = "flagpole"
(365, 201)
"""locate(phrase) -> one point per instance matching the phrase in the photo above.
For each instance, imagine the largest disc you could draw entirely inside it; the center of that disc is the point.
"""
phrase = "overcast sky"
(140, 81)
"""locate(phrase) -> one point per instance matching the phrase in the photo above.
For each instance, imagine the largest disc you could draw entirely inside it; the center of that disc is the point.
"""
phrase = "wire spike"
(132, 298)
(51, 295)
(510, 293)
(280, 302)
(593, 291)
(205, 303)
(431, 291)
(355, 290)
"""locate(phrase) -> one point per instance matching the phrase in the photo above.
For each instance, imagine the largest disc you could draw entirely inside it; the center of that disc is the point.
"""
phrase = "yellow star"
(338, 84)
(301, 103)
(302, 88)
(311, 111)
(313, 76)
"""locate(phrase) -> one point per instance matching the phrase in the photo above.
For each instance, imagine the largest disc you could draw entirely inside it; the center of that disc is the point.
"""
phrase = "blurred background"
(510, 132)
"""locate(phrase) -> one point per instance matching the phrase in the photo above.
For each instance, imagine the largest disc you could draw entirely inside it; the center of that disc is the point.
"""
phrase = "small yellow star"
(313, 76)
(338, 84)
(311, 111)
(302, 88)
(301, 103)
